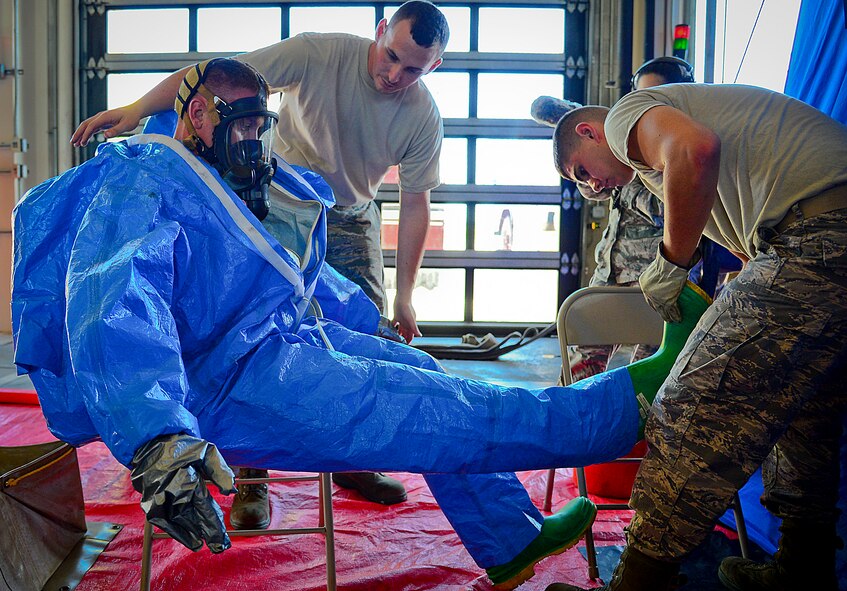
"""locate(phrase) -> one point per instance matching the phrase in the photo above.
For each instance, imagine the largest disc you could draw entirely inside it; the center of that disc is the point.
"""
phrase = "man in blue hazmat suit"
(152, 310)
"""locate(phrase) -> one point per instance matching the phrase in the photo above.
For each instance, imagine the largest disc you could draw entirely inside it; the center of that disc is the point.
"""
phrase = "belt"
(830, 200)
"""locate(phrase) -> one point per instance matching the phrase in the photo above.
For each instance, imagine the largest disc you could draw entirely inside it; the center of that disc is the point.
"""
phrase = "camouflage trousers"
(354, 248)
(760, 382)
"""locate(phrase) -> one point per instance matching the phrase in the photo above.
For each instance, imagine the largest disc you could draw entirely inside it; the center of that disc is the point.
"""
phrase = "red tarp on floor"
(409, 546)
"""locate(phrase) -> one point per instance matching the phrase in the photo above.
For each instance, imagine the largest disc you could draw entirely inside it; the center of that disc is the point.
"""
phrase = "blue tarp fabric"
(816, 70)
(147, 300)
(339, 298)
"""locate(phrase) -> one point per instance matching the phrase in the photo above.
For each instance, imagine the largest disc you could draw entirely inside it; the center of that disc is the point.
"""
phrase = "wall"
(37, 105)
(604, 88)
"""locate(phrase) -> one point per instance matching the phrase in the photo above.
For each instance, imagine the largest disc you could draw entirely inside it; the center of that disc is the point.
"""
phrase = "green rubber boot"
(648, 374)
(559, 532)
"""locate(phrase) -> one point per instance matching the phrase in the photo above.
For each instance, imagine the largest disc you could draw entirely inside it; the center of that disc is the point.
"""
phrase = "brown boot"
(805, 559)
(635, 572)
(251, 508)
(374, 486)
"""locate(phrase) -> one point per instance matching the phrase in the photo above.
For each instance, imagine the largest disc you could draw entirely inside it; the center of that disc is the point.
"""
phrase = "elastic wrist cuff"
(695, 258)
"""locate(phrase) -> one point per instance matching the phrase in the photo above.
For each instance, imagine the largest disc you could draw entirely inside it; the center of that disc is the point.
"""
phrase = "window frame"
(575, 14)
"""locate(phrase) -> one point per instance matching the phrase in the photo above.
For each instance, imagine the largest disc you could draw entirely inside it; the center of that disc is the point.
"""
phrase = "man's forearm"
(411, 238)
(690, 187)
(161, 97)
(684, 229)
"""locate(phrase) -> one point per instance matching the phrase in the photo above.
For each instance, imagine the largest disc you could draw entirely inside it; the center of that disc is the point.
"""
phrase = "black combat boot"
(805, 559)
(374, 486)
(251, 508)
(635, 572)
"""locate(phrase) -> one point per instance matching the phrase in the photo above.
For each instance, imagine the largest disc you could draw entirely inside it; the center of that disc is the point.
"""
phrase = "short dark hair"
(565, 138)
(427, 23)
(672, 69)
(227, 74)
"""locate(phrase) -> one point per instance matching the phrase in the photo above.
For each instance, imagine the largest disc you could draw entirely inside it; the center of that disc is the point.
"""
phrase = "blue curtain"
(817, 71)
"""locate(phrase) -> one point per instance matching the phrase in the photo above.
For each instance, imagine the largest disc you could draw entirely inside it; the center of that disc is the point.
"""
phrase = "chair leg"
(590, 551)
(326, 521)
(548, 494)
(146, 555)
(740, 526)
(591, 554)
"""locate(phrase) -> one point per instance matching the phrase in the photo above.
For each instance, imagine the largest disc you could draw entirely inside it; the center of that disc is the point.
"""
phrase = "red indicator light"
(680, 40)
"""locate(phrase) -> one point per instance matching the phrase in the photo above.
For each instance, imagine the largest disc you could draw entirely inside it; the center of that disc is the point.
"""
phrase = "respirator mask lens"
(243, 142)
(250, 141)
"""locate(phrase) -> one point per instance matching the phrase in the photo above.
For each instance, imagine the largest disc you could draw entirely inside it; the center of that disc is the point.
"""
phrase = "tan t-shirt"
(334, 121)
(775, 151)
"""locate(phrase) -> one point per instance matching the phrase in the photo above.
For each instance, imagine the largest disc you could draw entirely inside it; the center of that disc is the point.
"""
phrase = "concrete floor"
(535, 365)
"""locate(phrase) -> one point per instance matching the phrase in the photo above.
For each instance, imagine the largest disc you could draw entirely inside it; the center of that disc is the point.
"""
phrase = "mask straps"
(192, 84)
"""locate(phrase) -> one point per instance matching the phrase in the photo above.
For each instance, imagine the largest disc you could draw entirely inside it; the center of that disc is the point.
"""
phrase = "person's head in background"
(408, 46)
(662, 70)
(547, 110)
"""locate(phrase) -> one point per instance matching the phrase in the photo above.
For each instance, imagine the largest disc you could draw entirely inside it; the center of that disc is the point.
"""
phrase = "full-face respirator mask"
(242, 139)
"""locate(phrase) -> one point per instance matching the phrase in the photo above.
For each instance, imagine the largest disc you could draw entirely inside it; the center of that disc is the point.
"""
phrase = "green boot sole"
(558, 533)
(648, 374)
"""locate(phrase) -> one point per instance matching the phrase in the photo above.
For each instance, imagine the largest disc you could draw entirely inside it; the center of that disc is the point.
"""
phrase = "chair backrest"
(606, 315)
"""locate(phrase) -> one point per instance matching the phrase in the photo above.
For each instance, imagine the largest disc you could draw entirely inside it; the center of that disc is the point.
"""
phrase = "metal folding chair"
(608, 315)
(324, 527)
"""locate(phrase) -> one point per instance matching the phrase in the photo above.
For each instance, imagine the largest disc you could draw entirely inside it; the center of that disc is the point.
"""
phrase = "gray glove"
(386, 331)
(168, 472)
(662, 282)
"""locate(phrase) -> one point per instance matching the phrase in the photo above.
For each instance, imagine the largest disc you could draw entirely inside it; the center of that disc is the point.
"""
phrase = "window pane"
(122, 89)
(357, 20)
(439, 294)
(515, 162)
(454, 217)
(517, 227)
(459, 21)
(167, 31)
(237, 29)
(453, 166)
(450, 91)
(514, 295)
(765, 60)
(509, 96)
(447, 226)
(522, 30)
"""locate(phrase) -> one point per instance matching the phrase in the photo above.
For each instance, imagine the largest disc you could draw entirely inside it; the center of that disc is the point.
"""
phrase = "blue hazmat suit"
(147, 301)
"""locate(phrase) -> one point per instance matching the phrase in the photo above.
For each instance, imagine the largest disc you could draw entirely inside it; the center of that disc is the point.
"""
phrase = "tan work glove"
(662, 282)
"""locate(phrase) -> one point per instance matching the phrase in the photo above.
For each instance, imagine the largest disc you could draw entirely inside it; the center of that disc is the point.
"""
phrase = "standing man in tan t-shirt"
(351, 109)
(760, 381)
